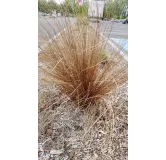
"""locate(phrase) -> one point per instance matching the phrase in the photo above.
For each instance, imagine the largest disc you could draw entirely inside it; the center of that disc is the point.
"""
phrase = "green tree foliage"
(82, 10)
(48, 7)
(68, 7)
(71, 7)
(54, 6)
(115, 8)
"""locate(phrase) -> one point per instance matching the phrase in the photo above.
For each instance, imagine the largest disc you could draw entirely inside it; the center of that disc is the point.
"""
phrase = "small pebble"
(56, 151)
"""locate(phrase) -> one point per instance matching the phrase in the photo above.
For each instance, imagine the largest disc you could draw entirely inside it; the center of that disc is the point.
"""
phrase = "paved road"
(50, 24)
(115, 30)
(47, 26)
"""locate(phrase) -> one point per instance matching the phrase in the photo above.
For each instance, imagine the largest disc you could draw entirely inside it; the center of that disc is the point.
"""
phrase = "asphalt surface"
(114, 30)
(117, 33)
(47, 26)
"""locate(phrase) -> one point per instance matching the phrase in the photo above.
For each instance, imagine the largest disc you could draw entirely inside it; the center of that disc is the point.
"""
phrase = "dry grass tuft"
(73, 61)
(99, 132)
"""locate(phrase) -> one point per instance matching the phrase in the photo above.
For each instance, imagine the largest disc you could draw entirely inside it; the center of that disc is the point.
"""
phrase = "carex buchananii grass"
(74, 61)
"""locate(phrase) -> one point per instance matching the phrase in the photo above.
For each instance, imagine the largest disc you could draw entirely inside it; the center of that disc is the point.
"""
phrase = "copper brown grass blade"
(73, 61)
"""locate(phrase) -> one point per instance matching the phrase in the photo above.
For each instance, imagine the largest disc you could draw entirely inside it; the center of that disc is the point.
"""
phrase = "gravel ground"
(67, 132)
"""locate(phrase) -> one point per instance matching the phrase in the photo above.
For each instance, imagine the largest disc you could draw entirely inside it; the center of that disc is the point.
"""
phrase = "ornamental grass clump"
(73, 61)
